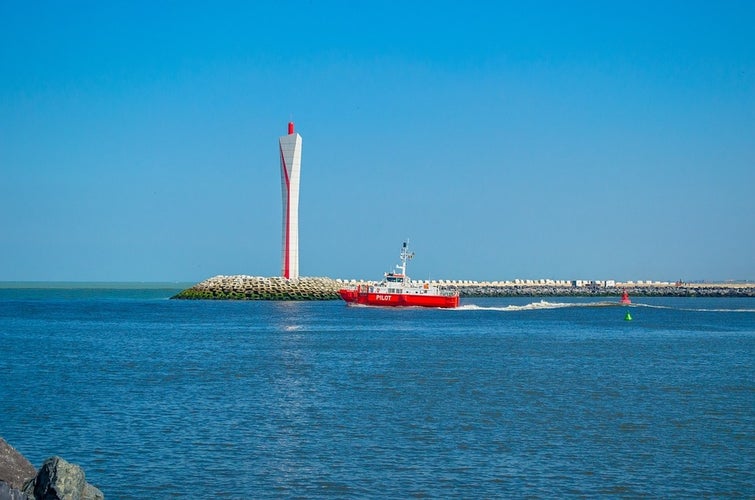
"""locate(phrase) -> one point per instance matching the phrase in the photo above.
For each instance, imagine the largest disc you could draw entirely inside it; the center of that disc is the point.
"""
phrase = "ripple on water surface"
(502, 397)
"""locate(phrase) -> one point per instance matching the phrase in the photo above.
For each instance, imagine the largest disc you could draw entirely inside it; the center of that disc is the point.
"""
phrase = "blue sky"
(566, 140)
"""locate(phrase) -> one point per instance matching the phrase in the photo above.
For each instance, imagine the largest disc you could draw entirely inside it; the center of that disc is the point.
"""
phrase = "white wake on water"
(693, 309)
(544, 304)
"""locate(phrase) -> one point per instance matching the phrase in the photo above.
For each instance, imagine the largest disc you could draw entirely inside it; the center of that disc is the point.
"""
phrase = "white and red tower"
(290, 148)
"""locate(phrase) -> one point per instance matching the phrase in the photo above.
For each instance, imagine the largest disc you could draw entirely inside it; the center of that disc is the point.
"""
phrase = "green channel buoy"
(628, 317)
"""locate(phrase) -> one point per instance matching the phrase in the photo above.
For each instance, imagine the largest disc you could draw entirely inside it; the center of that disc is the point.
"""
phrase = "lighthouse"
(290, 150)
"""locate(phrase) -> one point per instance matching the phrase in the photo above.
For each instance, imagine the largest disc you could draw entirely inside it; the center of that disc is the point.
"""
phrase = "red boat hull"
(398, 299)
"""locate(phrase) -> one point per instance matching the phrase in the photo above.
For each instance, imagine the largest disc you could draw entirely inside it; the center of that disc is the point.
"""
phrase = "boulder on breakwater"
(259, 288)
(56, 479)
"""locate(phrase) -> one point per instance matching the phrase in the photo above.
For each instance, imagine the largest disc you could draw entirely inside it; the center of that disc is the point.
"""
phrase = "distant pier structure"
(290, 151)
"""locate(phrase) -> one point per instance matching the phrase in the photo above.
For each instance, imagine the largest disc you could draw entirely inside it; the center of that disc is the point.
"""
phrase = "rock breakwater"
(243, 287)
(487, 290)
(259, 288)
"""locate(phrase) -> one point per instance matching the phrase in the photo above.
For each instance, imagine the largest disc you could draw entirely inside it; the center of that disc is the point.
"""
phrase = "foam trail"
(543, 305)
(533, 306)
(690, 309)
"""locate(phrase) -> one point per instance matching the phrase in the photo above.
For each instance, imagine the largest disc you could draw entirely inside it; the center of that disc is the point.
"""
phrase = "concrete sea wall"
(243, 287)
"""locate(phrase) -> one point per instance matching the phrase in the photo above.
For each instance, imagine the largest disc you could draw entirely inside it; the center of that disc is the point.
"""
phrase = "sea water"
(501, 397)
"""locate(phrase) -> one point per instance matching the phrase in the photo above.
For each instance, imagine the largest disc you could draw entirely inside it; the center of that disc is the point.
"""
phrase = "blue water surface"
(503, 397)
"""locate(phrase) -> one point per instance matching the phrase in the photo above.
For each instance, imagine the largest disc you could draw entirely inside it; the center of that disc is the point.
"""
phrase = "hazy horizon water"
(113, 285)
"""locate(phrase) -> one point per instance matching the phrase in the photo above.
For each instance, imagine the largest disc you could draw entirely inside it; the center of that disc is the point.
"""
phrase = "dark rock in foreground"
(58, 479)
(8, 493)
(15, 470)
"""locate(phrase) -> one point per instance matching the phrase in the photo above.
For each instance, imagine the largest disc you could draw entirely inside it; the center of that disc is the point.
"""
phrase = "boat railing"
(376, 288)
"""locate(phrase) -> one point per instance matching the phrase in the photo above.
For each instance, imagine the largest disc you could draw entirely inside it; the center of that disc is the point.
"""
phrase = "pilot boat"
(396, 290)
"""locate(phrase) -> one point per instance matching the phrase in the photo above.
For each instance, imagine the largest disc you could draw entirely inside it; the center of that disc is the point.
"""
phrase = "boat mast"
(405, 255)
